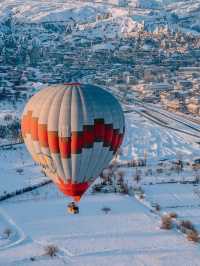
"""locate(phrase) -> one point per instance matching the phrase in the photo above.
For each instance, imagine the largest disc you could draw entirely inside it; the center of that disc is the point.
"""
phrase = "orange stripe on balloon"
(42, 135)
(26, 123)
(76, 142)
(34, 128)
(65, 147)
(53, 141)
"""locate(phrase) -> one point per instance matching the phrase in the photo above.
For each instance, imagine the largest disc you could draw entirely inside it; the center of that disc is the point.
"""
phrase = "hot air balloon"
(73, 130)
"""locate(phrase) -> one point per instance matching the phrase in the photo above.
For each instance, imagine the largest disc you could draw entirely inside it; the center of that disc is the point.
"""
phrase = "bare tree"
(51, 250)
(137, 177)
(179, 164)
(196, 175)
(193, 236)
(106, 210)
(19, 170)
(7, 232)
(120, 177)
(166, 222)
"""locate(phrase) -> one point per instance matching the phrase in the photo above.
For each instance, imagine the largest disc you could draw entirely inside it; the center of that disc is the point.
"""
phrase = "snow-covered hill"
(46, 11)
(159, 143)
(88, 11)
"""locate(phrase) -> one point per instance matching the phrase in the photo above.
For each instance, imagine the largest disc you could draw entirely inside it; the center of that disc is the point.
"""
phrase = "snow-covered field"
(158, 143)
(17, 169)
(183, 199)
(141, 136)
(128, 235)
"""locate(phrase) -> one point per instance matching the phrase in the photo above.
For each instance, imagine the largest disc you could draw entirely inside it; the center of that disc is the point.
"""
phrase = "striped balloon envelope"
(73, 130)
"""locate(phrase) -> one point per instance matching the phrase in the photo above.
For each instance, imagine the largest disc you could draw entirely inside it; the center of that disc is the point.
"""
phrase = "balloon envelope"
(73, 130)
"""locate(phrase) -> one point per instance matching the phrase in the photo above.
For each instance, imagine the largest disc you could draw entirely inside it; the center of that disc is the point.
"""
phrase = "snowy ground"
(87, 11)
(46, 11)
(128, 235)
(158, 142)
(11, 162)
(141, 136)
(152, 175)
(183, 199)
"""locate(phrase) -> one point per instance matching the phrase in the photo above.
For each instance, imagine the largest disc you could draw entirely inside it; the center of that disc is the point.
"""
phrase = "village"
(161, 66)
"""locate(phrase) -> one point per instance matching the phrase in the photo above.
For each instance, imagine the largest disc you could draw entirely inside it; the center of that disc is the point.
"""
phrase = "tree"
(137, 176)
(19, 170)
(179, 164)
(106, 210)
(196, 175)
(7, 232)
(51, 250)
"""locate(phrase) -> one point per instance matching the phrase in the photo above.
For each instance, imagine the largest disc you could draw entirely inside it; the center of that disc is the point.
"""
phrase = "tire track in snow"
(20, 235)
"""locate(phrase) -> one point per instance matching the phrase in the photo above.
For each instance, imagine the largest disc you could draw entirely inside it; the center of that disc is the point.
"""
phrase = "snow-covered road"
(167, 119)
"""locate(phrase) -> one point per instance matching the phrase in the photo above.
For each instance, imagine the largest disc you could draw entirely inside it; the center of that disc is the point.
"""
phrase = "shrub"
(123, 188)
(137, 178)
(183, 229)
(166, 222)
(7, 117)
(97, 188)
(19, 170)
(106, 210)
(157, 207)
(121, 174)
(141, 196)
(187, 225)
(51, 250)
(159, 170)
(173, 215)
(193, 236)
(7, 232)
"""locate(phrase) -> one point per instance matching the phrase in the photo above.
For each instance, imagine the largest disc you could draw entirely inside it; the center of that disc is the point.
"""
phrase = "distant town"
(162, 66)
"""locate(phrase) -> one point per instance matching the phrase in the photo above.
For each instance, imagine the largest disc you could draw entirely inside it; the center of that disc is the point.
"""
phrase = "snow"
(48, 11)
(12, 160)
(183, 199)
(144, 136)
(141, 136)
(128, 235)
(7, 117)
(103, 47)
(86, 12)
(16, 234)
(152, 4)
